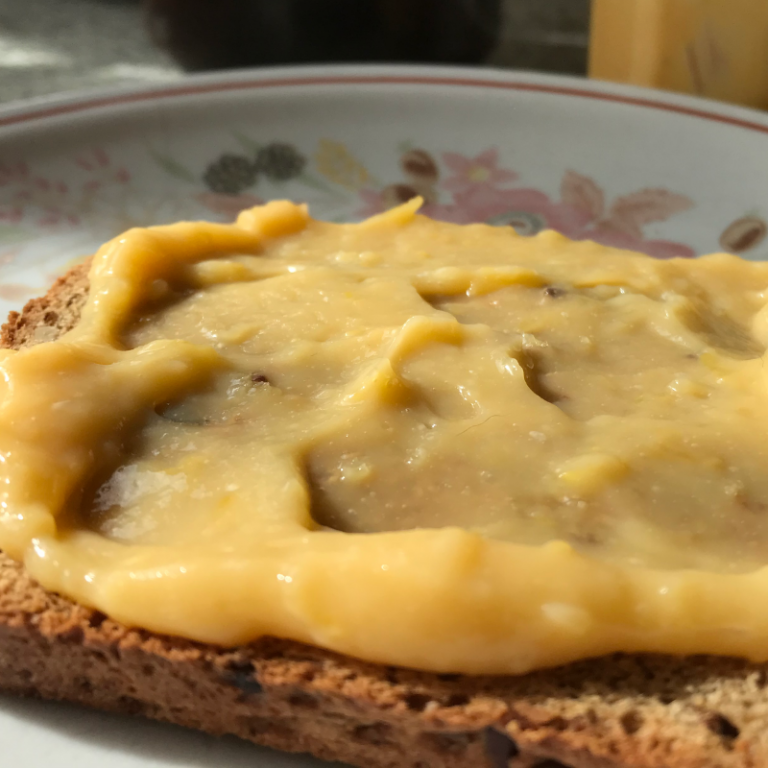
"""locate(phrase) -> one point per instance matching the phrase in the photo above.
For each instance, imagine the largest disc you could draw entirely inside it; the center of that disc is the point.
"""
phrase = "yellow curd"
(438, 446)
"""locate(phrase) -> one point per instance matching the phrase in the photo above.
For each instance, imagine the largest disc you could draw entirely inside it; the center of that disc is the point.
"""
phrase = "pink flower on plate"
(581, 212)
(12, 173)
(527, 210)
(9, 256)
(227, 206)
(373, 203)
(471, 172)
(621, 226)
(92, 159)
(15, 291)
(13, 214)
(661, 249)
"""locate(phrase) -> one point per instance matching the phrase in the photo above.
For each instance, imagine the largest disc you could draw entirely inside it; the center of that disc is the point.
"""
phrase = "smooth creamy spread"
(446, 447)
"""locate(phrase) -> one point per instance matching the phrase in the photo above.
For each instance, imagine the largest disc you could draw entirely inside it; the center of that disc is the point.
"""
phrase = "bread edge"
(298, 698)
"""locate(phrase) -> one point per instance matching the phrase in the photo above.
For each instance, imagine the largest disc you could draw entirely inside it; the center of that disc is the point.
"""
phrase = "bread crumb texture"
(623, 711)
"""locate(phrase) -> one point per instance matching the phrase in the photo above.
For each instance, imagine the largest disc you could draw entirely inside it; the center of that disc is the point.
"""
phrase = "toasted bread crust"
(623, 711)
(47, 317)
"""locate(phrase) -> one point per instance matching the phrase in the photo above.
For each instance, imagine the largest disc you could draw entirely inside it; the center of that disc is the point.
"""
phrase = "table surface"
(50, 46)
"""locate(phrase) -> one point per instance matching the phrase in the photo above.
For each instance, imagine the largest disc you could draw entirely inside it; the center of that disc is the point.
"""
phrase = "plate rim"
(47, 111)
(83, 103)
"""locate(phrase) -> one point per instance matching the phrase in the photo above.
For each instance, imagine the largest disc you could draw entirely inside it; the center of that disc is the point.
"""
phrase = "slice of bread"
(625, 711)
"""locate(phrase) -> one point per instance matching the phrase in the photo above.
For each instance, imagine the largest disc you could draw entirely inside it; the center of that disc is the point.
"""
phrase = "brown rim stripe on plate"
(200, 88)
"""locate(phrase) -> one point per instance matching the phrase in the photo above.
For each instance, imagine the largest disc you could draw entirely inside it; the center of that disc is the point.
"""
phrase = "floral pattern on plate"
(94, 197)
(468, 190)
(456, 188)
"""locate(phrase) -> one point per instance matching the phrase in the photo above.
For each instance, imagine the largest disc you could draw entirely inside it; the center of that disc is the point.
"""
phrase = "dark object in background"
(218, 34)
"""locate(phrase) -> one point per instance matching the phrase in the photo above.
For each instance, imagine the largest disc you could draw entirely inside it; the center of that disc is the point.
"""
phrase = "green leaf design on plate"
(173, 167)
(313, 181)
(12, 233)
(248, 144)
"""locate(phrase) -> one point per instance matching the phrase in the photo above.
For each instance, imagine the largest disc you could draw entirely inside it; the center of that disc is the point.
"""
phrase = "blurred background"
(712, 48)
(48, 46)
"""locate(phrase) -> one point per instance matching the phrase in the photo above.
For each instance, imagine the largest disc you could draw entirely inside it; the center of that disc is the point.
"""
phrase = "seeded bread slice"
(623, 711)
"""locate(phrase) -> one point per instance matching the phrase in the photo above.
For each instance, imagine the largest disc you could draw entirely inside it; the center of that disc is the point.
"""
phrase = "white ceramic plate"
(655, 172)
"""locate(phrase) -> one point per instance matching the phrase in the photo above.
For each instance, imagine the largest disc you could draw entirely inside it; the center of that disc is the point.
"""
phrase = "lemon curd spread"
(445, 447)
